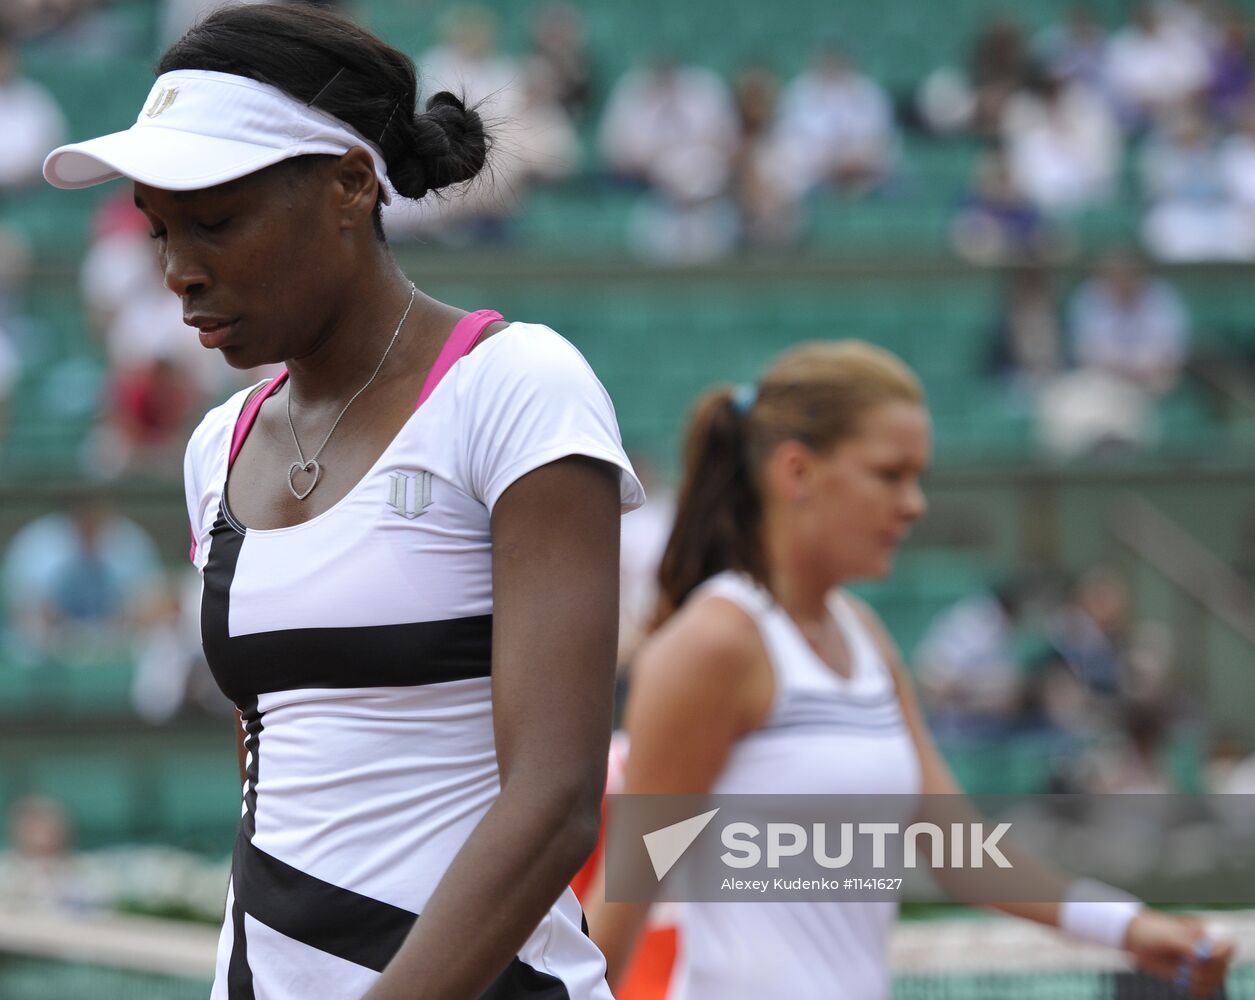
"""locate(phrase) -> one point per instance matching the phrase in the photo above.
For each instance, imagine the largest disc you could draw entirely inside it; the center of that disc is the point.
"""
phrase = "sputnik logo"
(667, 845)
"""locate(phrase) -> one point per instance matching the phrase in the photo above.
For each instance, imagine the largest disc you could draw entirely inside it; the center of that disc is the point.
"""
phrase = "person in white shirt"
(1063, 145)
(839, 123)
(1153, 65)
(666, 110)
(30, 121)
(407, 540)
(767, 676)
(1128, 324)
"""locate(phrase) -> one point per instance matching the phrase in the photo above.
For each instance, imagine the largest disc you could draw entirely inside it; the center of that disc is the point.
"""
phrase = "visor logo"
(162, 101)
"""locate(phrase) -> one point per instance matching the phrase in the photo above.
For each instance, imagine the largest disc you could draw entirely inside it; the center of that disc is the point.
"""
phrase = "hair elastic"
(744, 396)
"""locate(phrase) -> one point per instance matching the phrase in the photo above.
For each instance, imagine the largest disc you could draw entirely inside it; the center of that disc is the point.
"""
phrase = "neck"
(797, 583)
(354, 338)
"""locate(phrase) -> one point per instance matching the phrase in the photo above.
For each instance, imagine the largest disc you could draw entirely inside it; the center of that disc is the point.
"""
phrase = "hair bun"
(446, 144)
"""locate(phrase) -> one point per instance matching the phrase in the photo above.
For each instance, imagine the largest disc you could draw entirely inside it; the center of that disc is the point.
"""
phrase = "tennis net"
(979, 958)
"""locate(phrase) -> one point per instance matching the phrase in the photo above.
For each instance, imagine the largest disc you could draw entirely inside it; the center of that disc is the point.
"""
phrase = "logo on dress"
(162, 101)
(409, 493)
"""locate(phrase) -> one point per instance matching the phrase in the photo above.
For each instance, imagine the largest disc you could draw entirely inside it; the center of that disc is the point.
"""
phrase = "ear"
(789, 471)
(357, 187)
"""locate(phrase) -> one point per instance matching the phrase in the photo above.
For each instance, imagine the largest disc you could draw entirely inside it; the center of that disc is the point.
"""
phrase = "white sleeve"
(191, 491)
(529, 399)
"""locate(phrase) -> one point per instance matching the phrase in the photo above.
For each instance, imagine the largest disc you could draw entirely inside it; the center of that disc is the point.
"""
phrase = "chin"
(880, 567)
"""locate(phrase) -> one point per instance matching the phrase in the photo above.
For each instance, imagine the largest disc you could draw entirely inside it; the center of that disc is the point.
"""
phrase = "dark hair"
(814, 393)
(332, 64)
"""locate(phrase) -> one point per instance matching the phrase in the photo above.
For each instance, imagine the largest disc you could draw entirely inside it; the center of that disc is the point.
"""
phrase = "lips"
(214, 330)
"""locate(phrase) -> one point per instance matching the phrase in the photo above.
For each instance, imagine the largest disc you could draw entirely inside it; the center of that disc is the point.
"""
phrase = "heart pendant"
(313, 468)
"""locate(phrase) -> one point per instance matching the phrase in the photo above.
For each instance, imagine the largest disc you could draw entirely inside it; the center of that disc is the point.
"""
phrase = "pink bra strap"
(248, 415)
(464, 336)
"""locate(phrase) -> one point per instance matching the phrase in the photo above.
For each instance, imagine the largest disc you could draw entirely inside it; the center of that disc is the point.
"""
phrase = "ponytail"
(814, 393)
(718, 512)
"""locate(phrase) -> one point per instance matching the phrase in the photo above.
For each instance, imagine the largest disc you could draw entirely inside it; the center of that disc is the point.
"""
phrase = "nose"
(914, 504)
(183, 270)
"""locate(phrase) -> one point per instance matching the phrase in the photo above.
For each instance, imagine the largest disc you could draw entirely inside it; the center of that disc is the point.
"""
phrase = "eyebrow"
(225, 188)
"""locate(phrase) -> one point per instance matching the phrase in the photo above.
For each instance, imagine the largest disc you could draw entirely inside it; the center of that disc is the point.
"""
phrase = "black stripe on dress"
(339, 921)
(402, 655)
(351, 926)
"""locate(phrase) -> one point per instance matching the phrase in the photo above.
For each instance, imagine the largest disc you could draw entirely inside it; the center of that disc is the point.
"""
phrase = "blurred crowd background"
(1048, 211)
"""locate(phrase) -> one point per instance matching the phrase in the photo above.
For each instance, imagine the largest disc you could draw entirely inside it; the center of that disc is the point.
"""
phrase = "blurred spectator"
(1201, 20)
(673, 129)
(1091, 412)
(75, 584)
(1131, 325)
(179, 15)
(999, 66)
(1232, 67)
(1076, 50)
(1236, 158)
(540, 142)
(689, 216)
(1154, 65)
(148, 408)
(968, 667)
(39, 873)
(769, 183)
(30, 121)
(158, 375)
(120, 263)
(1063, 145)
(839, 124)
(1028, 337)
(1230, 769)
(1091, 631)
(1133, 759)
(559, 46)
(171, 674)
(83, 29)
(466, 62)
(536, 144)
(997, 224)
(1190, 217)
(667, 113)
(1129, 335)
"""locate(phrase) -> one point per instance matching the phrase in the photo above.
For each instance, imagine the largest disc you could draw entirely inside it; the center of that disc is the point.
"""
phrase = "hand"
(1178, 948)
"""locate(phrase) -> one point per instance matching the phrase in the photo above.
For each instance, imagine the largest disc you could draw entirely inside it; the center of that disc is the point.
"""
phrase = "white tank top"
(825, 734)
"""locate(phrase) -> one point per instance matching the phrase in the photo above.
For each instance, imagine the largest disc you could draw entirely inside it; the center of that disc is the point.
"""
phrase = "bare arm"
(707, 663)
(555, 585)
(1160, 942)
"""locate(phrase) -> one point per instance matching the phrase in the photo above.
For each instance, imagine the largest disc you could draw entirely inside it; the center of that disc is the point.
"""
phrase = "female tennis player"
(765, 676)
(408, 539)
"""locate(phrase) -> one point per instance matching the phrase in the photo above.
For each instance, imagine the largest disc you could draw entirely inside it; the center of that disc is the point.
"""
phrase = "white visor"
(199, 129)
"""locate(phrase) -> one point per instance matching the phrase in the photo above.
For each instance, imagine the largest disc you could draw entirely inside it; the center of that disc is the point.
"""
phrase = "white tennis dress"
(358, 648)
(825, 734)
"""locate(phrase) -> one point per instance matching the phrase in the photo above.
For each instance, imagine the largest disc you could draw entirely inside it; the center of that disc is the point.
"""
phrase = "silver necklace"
(311, 465)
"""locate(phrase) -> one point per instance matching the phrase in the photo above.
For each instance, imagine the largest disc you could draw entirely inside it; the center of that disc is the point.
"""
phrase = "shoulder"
(216, 426)
(711, 641)
(526, 366)
(524, 347)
